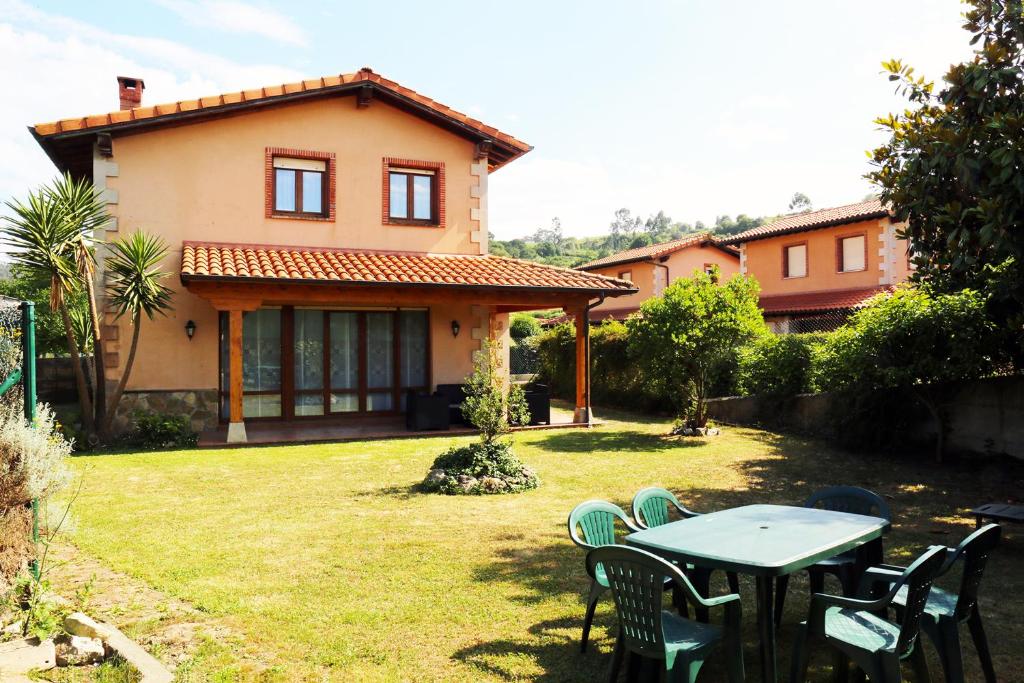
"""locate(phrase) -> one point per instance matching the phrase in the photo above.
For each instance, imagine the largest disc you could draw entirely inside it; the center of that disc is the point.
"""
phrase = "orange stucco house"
(330, 238)
(653, 267)
(815, 268)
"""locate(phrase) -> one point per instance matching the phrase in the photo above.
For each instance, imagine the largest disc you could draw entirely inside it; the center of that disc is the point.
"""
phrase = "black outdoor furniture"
(538, 401)
(456, 396)
(425, 411)
(998, 512)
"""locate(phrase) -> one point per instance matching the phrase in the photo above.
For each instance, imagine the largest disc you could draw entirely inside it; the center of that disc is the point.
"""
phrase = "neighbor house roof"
(365, 82)
(258, 262)
(653, 251)
(812, 220)
(819, 302)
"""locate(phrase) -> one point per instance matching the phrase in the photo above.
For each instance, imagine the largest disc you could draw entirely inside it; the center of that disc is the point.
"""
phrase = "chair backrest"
(974, 550)
(596, 519)
(651, 506)
(852, 499)
(918, 579)
(636, 579)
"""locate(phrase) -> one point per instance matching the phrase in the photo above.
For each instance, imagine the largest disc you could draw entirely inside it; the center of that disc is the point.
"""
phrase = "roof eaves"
(747, 237)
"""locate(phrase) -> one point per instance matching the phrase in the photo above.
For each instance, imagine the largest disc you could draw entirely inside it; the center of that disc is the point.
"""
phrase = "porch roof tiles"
(257, 262)
(819, 302)
(652, 251)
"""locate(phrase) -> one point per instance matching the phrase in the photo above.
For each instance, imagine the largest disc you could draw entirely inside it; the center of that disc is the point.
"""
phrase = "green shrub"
(523, 326)
(778, 365)
(156, 431)
(480, 468)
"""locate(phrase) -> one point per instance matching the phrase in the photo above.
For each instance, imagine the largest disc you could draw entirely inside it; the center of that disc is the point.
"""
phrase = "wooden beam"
(582, 412)
(226, 296)
(236, 427)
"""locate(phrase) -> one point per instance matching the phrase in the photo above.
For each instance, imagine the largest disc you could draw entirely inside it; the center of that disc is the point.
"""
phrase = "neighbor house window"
(851, 253)
(413, 192)
(300, 184)
(794, 260)
(709, 268)
(626, 275)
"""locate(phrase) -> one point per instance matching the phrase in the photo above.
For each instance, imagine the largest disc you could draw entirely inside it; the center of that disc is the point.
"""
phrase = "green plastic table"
(765, 541)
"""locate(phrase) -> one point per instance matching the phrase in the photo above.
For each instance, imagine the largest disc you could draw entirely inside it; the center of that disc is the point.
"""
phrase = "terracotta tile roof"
(654, 250)
(231, 101)
(265, 262)
(813, 220)
(810, 302)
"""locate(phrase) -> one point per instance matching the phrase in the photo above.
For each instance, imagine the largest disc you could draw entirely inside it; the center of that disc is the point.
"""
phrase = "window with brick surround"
(300, 184)
(413, 193)
(794, 260)
(851, 253)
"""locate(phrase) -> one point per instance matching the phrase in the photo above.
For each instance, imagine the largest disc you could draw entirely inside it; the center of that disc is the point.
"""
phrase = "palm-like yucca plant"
(135, 288)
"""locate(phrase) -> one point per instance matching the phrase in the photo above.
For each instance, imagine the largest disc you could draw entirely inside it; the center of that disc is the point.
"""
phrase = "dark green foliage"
(157, 432)
(952, 166)
(25, 285)
(778, 365)
(523, 326)
(480, 468)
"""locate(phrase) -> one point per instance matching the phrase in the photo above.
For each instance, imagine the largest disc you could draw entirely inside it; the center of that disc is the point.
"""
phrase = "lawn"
(324, 562)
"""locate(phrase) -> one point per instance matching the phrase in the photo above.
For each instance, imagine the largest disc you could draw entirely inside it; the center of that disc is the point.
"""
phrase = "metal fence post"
(28, 378)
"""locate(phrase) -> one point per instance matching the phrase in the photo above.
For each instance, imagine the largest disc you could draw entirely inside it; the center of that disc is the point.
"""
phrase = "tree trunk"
(100, 397)
(119, 391)
(84, 400)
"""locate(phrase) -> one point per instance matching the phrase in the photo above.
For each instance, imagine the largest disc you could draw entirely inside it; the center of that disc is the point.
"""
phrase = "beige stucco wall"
(886, 259)
(650, 278)
(205, 182)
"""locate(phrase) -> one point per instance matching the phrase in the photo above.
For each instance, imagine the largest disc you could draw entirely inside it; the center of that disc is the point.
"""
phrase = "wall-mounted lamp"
(455, 328)
(190, 329)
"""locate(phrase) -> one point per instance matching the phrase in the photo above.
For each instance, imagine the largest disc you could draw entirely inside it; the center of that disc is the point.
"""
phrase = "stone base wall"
(200, 406)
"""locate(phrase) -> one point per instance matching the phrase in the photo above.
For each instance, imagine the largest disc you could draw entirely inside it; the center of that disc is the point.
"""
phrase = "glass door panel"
(309, 362)
(344, 361)
(261, 363)
(380, 359)
(412, 352)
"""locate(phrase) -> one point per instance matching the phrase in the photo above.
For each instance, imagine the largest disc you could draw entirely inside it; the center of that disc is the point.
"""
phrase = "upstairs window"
(300, 184)
(414, 193)
(626, 275)
(794, 260)
(851, 253)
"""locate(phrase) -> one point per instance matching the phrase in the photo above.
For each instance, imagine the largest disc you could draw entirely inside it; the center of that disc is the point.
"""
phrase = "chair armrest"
(821, 602)
(720, 600)
(883, 573)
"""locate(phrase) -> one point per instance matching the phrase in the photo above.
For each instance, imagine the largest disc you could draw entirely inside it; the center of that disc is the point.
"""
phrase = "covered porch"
(325, 344)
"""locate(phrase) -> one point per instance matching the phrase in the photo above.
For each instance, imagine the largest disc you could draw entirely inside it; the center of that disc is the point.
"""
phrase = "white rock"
(85, 650)
(13, 628)
(78, 624)
(20, 656)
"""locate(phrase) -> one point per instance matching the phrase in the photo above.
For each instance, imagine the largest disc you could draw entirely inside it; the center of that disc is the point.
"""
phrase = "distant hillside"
(549, 247)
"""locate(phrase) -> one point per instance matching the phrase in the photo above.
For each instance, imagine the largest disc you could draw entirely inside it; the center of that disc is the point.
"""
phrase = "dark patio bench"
(426, 411)
(998, 512)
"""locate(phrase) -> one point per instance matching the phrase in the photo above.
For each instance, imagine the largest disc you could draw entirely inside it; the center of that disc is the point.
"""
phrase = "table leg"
(766, 628)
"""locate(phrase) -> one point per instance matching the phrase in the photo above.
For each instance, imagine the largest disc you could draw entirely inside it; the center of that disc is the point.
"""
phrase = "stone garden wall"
(199, 406)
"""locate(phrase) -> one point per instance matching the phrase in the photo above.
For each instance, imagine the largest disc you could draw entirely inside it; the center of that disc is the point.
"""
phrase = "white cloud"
(56, 67)
(238, 17)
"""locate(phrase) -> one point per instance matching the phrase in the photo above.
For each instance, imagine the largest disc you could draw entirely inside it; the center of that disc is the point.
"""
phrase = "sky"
(697, 107)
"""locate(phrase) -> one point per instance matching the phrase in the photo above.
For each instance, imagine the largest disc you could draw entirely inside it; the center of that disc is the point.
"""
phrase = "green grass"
(325, 562)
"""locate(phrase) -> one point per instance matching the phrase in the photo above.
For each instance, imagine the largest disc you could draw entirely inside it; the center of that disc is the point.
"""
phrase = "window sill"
(412, 224)
(844, 272)
(302, 217)
(794, 277)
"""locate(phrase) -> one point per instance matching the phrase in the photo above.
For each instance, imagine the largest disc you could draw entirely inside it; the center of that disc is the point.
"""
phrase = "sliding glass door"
(301, 363)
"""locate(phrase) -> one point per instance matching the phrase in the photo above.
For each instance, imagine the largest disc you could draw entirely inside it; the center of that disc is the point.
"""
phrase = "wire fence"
(523, 358)
(822, 322)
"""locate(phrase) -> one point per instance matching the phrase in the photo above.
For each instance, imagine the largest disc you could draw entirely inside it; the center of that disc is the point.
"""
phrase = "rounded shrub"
(480, 468)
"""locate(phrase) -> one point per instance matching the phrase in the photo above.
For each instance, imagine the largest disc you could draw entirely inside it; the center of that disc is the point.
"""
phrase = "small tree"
(913, 341)
(683, 336)
(488, 407)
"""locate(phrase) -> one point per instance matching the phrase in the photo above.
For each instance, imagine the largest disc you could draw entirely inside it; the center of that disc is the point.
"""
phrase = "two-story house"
(653, 267)
(331, 241)
(815, 268)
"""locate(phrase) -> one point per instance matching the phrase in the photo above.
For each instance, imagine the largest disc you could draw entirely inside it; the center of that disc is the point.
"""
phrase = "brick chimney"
(130, 91)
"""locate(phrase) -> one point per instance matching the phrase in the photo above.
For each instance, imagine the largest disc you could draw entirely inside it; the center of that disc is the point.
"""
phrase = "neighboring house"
(653, 267)
(816, 268)
(331, 240)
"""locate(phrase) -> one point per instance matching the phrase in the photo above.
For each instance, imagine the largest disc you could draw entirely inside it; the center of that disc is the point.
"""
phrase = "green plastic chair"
(944, 611)
(856, 631)
(651, 507)
(854, 500)
(596, 519)
(636, 580)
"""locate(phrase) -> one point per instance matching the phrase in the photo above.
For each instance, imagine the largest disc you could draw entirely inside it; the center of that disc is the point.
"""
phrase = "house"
(330, 238)
(816, 268)
(653, 267)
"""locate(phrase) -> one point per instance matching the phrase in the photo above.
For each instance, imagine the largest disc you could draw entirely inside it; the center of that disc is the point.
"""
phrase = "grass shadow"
(588, 440)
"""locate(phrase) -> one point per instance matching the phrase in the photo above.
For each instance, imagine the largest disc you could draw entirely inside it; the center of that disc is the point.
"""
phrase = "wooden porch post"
(236, 425)
(582, 413)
